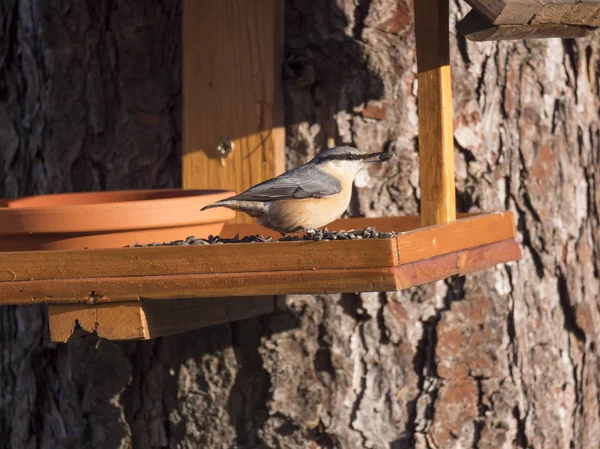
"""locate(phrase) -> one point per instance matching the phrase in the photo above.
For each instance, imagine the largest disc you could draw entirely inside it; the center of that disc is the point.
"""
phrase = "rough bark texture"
(90, 99)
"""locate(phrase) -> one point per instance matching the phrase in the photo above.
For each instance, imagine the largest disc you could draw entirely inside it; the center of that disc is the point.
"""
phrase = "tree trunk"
(90, 99)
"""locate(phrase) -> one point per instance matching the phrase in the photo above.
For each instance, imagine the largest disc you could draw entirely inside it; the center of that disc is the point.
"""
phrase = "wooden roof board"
(585, 13)
(130, 274)
(495, 20)
(503, 12)
(523, 12)
(476, 28)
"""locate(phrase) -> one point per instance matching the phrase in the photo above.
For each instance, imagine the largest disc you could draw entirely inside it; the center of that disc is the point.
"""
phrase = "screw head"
(225, 147)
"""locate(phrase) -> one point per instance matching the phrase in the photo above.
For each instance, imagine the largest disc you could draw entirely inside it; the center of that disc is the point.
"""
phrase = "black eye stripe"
(342, 157)
(348, 157)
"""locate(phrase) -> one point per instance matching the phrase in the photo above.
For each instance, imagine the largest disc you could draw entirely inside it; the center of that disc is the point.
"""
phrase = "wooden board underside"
(263, 283)
(142, 320)
(422, 243)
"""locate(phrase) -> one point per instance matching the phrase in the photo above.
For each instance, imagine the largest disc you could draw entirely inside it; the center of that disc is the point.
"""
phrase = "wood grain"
(569, 13)
(226, 258)
(147, 319)
(452, 237)
(536, 12)
(500, 12)
(412, 245)
(245, 284)
(232, 52)
(480, 258)
(436, 142)
(98, 276)
(458, 263)
(170, 287)
(117, 321)
(477, 29)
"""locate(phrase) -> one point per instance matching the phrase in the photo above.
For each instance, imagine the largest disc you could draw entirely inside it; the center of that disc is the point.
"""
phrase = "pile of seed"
(325, 234)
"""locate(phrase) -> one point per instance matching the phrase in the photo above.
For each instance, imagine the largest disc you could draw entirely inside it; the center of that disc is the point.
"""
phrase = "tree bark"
(90, 99)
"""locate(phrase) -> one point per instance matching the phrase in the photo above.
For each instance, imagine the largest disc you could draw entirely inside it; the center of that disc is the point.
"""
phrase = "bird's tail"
(210, 206)
(252, 208)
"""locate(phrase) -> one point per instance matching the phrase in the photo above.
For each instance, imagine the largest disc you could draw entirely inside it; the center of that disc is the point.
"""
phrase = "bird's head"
(347, 161)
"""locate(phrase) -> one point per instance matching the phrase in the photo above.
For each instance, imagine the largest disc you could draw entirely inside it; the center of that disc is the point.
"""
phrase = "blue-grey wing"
(302, 182)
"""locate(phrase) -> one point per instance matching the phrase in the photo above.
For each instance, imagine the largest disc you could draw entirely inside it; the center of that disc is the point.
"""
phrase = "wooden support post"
(436, 141)
(145, 319)
(233, 135)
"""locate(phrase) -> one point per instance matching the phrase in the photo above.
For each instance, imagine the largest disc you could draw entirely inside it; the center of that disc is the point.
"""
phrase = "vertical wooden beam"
(436, 141)
(232, 53)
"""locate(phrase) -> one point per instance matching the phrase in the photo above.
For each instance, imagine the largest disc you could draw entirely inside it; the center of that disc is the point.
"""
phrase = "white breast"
(309, 213)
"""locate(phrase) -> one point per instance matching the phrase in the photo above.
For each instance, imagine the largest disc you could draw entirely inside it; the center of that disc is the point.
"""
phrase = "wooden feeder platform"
(129, 293)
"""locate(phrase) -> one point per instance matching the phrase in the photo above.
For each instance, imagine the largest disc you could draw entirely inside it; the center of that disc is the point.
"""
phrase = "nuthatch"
(308, 197)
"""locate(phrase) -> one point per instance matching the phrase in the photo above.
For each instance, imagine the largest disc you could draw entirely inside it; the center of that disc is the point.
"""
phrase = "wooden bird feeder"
(233, 138)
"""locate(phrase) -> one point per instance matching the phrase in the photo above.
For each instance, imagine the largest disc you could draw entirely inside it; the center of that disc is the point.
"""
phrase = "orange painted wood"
(153, 318)
(457, 263)
(302, 267)
(137, 320)
(432, 241)
(436, 141)
(226, 258)
(413, 245)
(480, 258)
(232, 55)
(426, 271)
(104, 290)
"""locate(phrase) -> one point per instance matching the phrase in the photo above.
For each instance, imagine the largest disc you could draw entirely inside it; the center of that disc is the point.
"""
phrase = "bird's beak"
(381, 157)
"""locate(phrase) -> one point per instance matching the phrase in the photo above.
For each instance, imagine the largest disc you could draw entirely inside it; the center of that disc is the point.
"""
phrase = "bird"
(308, 197)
